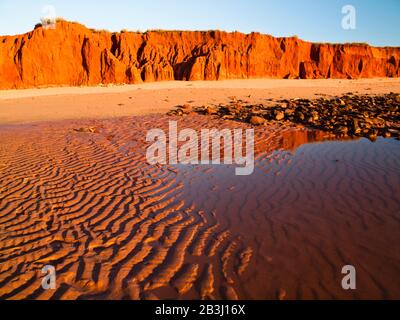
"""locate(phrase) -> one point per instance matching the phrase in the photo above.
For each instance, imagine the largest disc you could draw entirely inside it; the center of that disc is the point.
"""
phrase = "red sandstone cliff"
(74, 55)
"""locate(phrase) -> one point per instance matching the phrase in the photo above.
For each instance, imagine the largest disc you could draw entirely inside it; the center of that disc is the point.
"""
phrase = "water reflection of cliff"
(293, 139)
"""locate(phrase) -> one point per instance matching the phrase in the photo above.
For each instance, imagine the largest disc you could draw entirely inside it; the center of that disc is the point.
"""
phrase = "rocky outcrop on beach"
(74, 55)
(351, 115)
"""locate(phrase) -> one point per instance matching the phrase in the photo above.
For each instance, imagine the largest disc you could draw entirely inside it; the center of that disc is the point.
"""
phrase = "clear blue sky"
(378, 21)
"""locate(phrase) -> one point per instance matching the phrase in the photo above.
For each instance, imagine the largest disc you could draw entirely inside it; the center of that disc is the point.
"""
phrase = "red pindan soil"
(75, 55)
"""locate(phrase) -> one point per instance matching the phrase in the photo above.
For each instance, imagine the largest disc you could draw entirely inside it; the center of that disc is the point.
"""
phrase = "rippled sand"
(117, 228)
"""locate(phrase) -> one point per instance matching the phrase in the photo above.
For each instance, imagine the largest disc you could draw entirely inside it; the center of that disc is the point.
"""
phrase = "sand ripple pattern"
(117, 228)
(112, 225)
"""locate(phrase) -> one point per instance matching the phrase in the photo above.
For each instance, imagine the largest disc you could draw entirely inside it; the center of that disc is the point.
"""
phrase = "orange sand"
(32, 105)
(117, 228)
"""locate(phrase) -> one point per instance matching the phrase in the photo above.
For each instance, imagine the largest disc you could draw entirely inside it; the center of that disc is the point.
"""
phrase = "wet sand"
(117, 228)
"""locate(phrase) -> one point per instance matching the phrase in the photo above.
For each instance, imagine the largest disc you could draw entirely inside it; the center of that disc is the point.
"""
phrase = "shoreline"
(72, 103)
(258, 83)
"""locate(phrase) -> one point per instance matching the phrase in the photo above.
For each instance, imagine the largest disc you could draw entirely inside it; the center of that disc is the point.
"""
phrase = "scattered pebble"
(87, 130)
(351, 115)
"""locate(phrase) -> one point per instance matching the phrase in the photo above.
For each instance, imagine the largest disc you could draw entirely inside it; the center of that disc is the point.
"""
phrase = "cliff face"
(74, 55)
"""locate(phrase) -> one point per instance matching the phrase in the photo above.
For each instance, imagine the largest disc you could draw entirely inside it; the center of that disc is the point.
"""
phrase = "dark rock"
(289, 112)
(372, 135)
(211, 111)
(342, 130)
(355, 127)
(300, 116)
(315, 115)
(362, 116)
(186, 107)
(87, 130)
(257, 121)
(279, 115)
(386, 134)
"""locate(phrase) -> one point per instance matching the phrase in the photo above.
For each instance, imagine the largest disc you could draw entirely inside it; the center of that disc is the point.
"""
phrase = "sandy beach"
(50, 104)
(116, 227)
